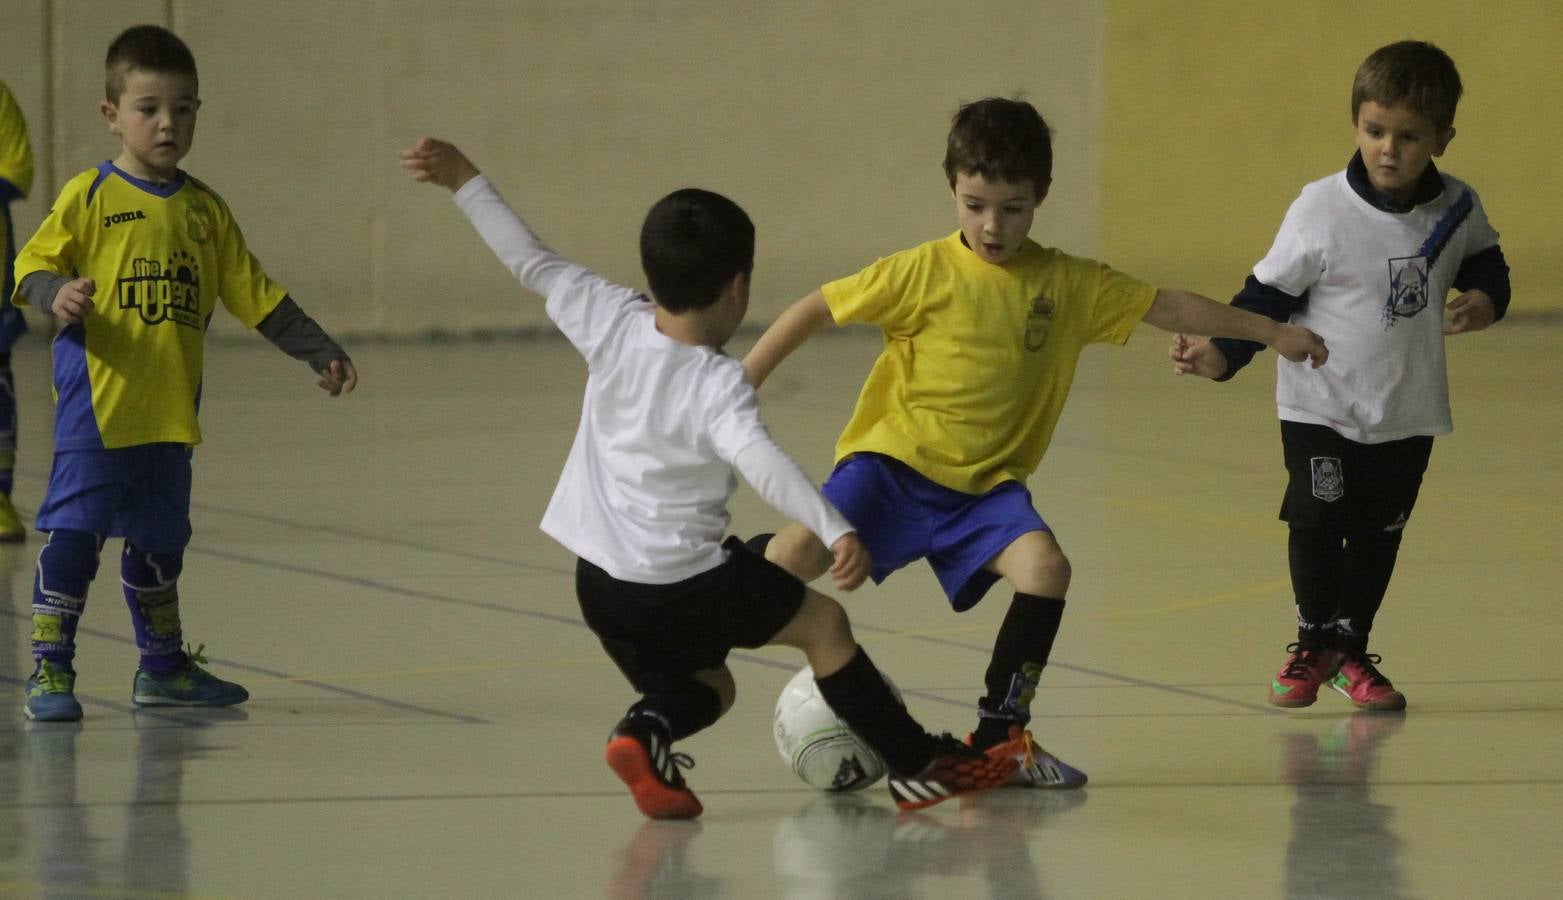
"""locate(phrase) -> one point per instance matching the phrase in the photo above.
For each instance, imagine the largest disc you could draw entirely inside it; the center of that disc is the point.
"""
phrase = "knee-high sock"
(859, 695)
(66, 566)
(1020, 652)
(681, 711)
(1369, 563)
(151, 582)
(1318, 563)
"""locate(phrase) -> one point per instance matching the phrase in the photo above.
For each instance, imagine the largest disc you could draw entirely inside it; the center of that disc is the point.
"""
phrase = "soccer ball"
(818, 746)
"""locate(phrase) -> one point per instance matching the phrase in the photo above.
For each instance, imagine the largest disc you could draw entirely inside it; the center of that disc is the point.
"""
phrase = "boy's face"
(155, 122)
(1397, 144)
(995, 216)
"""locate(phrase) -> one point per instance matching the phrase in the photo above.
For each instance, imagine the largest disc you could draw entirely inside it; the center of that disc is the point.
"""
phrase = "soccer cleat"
(1364, 685)
(188, 685)
(51, 694)
(956, 769)
(643, 759)
(1306, 670)
(12, 530)
(1037, 767)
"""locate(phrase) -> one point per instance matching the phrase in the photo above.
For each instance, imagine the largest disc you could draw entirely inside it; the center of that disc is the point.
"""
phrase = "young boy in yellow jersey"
(16, 179)
(131, 260)
(982, 332)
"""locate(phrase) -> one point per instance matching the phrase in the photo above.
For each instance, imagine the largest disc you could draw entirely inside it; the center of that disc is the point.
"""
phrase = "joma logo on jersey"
(115, 218)
(1407, 288)
(163, 292)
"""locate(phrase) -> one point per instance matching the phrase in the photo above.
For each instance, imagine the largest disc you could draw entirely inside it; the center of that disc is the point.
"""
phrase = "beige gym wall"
(1217, 113)
(825, 120)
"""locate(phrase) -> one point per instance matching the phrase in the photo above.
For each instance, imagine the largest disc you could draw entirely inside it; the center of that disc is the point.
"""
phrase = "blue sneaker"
(51, 694)
(188, 685)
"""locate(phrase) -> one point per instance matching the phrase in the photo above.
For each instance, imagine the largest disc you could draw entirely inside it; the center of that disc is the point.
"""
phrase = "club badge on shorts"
(1329, 482)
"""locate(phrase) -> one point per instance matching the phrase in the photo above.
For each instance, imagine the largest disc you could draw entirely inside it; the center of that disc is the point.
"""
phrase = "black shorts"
(1346, 486)
(660, 634)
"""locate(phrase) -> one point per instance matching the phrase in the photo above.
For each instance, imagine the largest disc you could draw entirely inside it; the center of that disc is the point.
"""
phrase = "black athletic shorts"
(1346, 486)
(660, 634)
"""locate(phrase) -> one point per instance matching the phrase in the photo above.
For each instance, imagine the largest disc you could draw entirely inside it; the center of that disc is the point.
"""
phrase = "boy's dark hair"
(150, 48)
(1001, 140)
(1414, 74)
(692, 244)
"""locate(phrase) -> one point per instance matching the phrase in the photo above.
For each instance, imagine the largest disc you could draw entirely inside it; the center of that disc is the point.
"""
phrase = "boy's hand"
(1471, 311)
(1197, 356)
(438, 162)
(73, 301)
(339, 376)
(851, 563)
(1297, 343)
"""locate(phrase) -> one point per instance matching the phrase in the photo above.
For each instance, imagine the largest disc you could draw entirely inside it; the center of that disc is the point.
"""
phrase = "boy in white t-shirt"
(642, 501)
(1365, 258)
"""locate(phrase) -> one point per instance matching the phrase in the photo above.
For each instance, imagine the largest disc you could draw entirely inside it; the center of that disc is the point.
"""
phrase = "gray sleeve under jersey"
(299, 336)
(39, 288)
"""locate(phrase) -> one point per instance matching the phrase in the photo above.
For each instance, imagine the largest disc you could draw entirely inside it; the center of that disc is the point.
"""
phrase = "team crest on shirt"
(1408, 288)
(163, 291)
(1329, 481)
(198, 223)
(1039, 321)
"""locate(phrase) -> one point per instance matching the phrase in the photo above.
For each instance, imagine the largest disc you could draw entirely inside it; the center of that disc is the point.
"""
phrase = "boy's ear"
(110, 114)
(1443, 141)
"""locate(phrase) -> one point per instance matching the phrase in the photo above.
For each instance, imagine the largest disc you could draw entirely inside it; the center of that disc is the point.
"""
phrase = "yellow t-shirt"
(16, 155)
(160, 255)
(978, 358)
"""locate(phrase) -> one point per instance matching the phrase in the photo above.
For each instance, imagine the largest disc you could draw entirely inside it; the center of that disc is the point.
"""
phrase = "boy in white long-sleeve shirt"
(642, 500)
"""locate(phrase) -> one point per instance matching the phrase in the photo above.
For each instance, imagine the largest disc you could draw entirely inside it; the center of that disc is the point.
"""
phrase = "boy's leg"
(924, 769)
(66, 566)
(157, 529)
(640, 747)
(1316, 558)
(1039, 571)
(796, 549)
(12, 530)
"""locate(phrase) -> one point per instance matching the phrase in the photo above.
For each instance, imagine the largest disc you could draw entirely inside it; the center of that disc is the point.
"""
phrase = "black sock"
(859, 695)
(691, 707)
(1369, 563)
(1020, 652)
(1318, 562)
(759, 542)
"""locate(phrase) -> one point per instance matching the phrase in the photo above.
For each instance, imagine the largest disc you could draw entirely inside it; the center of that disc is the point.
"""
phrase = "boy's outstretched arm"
(1183, 312)
(794, 326)
(511, 239)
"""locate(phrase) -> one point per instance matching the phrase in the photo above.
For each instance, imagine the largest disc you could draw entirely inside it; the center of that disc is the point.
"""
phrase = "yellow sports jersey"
(16, 155)
(978, 358)
(160, 256)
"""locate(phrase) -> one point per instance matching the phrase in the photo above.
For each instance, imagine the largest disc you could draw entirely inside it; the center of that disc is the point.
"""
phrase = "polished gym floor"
(428, 711)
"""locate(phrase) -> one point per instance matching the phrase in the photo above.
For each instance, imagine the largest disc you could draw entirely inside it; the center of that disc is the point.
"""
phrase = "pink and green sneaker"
(1360, 681)
(1306, 670)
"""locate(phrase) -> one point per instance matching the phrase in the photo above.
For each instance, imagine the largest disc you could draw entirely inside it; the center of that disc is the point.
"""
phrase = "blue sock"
(66, 566)
(151, 583)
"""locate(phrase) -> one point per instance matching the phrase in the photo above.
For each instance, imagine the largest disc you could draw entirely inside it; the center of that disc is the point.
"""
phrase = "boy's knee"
(799, 551)
(721, 681)
(68, 562)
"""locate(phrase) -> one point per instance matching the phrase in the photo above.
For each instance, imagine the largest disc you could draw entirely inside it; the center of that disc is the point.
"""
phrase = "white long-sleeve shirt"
(644, 491)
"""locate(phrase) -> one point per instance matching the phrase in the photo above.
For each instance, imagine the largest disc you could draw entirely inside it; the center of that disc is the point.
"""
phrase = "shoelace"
(1369, 661)
(674, 762)
(1301, 662)
(55, 681)
(196, 657)
(1030, 759)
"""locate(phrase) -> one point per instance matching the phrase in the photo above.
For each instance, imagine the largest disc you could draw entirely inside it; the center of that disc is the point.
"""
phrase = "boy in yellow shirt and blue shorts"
(132, 260)
(16, 179)
(982, 331)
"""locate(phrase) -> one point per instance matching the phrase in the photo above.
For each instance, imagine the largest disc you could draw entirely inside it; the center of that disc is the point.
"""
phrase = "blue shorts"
(901, 517)
(141, 494)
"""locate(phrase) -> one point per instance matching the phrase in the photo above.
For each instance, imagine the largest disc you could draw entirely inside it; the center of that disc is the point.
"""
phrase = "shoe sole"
(912, 794)
(1291, 704)
(1393, 704)
(76, 717)
(628, 760)
(145, 700)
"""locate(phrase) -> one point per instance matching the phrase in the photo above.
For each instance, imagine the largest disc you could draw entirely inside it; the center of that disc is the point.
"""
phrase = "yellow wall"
(1218, 111)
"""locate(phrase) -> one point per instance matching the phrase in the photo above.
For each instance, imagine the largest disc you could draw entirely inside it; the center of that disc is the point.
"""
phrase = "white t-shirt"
(644, 491)
(1376, 283)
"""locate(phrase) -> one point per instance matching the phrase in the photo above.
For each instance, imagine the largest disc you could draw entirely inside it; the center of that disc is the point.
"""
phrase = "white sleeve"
(782, 483)
(512, 241)
(1295, 261)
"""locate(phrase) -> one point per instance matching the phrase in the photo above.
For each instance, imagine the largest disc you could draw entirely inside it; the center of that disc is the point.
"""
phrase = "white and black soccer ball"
(817, 745)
